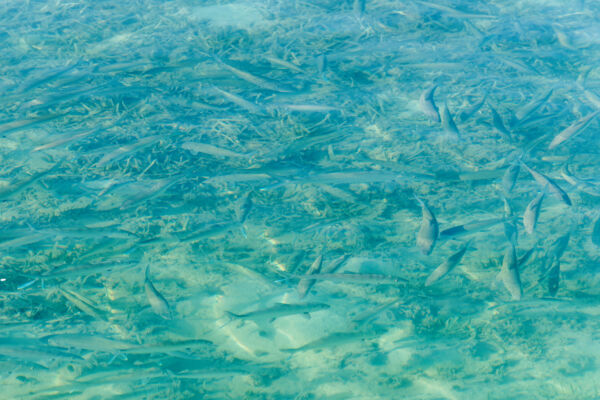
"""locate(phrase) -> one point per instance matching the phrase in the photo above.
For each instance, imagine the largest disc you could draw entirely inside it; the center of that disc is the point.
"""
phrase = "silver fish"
(510, 273)
(511, 232)
(259, 81)
(532, 212)
(554, 277)
(499, 124)
(334, 339)
(353, 277)
(157, 301)
(243, 206)
(240, 101)
(305, 284)
(509, 179)
(531, 107)
(335, 264)
(552, 268)
(279, 310)
(429, 231)
(87, 342)
(464, 115)
(469, 227)
(580, 184)
(558, 246)
(596, 232)
(205, 148)
(455, 13)
(284, 63)
(127, 150)
(573, 130)
(447, 266)
(322, 64)
(448, 123)
(428, 106)
(544, 181)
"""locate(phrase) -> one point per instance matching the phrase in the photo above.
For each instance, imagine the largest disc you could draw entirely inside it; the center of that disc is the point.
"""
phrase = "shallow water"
(172, 170)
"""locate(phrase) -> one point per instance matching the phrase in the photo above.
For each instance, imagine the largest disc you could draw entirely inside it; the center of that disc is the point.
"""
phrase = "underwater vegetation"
(288, 199)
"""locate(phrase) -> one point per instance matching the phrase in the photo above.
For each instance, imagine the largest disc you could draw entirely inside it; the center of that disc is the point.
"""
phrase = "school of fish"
(310, 200)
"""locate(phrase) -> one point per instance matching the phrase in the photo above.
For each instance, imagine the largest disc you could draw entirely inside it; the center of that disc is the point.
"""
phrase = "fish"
(531, 108)
(592, 98)
(532, 212)
(448, 123)
(209, 149)
(509, 179)
(517, 64)
(81, 270)
(34, 350)
(307, 108)
(464, 115)
(508, 209)
(25, 240)
(554, 277)
(279, 310)
(429, 230)
(284, 63)
(470, 227)
(572, 130)
(596, 232)
(523, 259)
(340, 178)
(15, 188)
(334, 265)
(581, 185)
(243, 206)
(240, 101)
(509, 274)
(66, 138)
(159, 304)
(127, 150)
(551, 269)
(305, 285)
(511, 232)
(87, 342)
(499, 124)
(544, 181)
(19, 124)
(444, 268)
(211, 230)
(139, 192)
(358, 6)
(259, 81)
(455, 13)
(353, 277)
(367, 316)
(334, 340)
(322, 64)
(428, 106)
(558, 246)
(83, 303)
(480, 175)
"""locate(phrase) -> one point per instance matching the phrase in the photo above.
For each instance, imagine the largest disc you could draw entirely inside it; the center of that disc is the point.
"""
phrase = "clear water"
(172, 169)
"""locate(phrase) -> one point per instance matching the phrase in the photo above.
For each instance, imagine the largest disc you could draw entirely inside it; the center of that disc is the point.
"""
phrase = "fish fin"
(306, 315)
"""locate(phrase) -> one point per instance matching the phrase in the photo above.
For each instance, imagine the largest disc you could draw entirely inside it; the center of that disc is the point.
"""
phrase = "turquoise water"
(172, 171)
